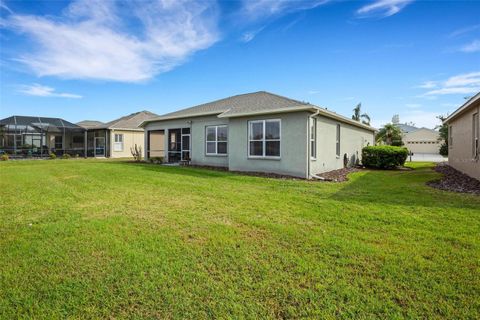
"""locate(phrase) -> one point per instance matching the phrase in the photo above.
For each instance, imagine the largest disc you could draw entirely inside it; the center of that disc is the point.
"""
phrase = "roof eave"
(272, 111)
(462, 108)
(341, 118)
(165, 118)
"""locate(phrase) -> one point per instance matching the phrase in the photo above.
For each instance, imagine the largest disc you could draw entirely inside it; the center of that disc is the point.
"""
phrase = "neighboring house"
(463, 136)
(25, 136)
(422, 140)
(258, 132)
(115, 138)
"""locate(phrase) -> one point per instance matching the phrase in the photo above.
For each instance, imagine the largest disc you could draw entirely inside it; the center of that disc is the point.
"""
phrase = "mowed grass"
(112, 239)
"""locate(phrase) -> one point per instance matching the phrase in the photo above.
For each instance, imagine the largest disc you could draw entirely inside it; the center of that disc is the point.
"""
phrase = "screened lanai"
(22, 137)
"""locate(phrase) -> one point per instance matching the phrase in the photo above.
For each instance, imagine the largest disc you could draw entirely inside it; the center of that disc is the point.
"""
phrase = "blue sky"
(95, 59)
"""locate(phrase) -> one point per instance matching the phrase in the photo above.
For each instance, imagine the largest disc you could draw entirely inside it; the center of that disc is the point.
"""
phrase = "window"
(475, 135)
(118, 145)
(450, 136)
(58, 142)
(264, 138)
(216, 141)
(338, 141)
(78, 139)
(313, 138)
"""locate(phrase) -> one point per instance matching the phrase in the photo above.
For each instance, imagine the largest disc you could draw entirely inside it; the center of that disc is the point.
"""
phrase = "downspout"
(309, 175)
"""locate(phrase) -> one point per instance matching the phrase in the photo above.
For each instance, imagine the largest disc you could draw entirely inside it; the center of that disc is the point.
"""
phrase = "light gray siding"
(293, 145)
(352, 140)
(294, 157)
(197, 126)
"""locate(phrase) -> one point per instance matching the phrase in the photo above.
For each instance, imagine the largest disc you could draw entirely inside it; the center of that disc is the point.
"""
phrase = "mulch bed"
(339, 175)
(454, 180)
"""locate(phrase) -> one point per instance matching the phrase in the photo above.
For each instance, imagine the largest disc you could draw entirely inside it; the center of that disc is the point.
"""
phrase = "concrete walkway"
(427, 157)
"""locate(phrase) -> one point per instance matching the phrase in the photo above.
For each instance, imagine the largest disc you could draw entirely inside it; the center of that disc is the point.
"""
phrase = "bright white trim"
(264, 140)
(216, 141)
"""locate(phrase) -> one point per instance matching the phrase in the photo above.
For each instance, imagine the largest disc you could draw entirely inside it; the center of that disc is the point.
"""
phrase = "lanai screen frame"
(16, 131)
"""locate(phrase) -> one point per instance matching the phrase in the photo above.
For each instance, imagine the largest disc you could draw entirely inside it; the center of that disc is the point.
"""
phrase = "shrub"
(4, 157)
(136, 152)
(443, 150)
(66, 156)
(52, 156)
(384, 157)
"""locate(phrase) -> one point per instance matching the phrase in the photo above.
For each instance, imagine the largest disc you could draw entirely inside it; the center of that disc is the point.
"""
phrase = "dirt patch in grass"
(454, 180)
(338, 175)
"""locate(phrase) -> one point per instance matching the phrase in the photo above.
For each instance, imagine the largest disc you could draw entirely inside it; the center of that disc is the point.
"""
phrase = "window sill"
(264, 158)
(313, 159)
(215, 155)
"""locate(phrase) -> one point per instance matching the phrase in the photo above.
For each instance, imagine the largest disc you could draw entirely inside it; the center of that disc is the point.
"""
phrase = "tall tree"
(359, 116)
(443, 135)
(390, 134)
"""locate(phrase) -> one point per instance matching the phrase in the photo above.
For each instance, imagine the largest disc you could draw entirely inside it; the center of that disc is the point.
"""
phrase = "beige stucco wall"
(422, 141)
(460, 153)
(130, 138)
(352, 140)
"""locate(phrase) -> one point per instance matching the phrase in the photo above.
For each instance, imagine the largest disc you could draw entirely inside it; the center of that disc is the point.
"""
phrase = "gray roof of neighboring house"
(88, 124)
(260, 102)
(130, 122)
(406, 128)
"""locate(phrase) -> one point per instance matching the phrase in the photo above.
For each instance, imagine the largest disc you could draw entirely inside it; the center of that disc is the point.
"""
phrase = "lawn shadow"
(403, 188)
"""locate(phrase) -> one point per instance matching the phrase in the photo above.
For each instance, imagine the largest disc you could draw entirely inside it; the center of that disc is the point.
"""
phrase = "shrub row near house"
(384, 157)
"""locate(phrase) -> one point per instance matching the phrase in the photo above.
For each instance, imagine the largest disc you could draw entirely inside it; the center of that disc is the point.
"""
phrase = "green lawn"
(111, 239)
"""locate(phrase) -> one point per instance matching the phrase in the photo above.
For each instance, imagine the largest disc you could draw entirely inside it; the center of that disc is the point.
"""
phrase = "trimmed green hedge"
(384, 157)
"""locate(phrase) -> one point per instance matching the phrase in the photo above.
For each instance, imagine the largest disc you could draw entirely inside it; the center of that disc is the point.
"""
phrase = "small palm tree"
(390, 134)
(359, 116)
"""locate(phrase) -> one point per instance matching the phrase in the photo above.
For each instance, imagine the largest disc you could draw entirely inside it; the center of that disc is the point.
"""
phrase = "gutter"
(309, 156)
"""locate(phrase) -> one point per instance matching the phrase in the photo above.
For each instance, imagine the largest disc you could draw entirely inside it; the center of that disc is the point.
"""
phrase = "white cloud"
(261, 9)
(383, 8)
(460, 84)
(464, 31)
(39, 90)
(428, 85)
(91, 41)
(250, 35)
(474, 46)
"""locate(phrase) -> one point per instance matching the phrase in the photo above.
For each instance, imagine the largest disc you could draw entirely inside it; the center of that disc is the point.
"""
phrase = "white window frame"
(264, 140)
(313, 139)
(338, 145)
(118, 145)
(475, 135)
(216, 141)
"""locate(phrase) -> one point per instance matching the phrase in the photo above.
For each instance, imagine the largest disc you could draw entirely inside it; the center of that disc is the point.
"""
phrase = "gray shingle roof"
(260, 102)
(239, 104)
(132, 121)
(88, 124)
(406, 128)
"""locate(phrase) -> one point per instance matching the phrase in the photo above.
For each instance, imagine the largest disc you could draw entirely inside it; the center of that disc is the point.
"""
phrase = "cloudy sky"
(98, 59)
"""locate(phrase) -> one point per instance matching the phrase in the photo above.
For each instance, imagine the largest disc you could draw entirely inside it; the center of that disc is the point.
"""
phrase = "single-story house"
(258, 132)
(115, 138)
(463, 137)
(26, 136)
(419, 140)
